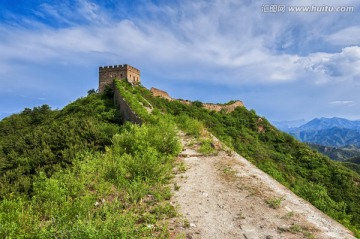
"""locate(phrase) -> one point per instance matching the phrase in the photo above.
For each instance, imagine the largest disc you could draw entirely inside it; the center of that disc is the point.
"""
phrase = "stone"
(108, 73)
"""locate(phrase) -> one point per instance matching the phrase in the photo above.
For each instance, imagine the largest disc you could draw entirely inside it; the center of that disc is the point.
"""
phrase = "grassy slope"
(42, 140)
(355, 160)
(353, 164)
(337, 153)
(76, 173)
(348, 156)
(328, 185)
(100, 189)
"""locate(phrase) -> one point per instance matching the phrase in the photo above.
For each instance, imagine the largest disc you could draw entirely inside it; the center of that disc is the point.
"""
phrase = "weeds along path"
(225, 196)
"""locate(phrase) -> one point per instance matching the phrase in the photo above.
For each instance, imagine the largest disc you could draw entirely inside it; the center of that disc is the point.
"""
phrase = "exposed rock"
(260, 127)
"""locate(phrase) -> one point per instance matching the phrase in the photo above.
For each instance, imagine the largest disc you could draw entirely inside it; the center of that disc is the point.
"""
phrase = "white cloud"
(71, 13)
(221, 34)
(347, 36)
(341, 66)
(222, 42)
(59, 13)
(342, 102)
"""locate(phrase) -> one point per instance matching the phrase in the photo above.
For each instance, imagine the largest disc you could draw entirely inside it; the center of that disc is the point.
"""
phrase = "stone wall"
(108, 73)
(160, 93)
(215, 107)
(227, 108)
(125, 110)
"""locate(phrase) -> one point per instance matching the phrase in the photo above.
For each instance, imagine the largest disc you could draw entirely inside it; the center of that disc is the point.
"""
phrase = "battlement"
(119, 67)
(108, 73)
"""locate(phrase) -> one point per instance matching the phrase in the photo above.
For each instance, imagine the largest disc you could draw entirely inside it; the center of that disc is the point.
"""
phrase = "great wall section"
(125, 110)
(215, 107)
(228, 207)
(107, 74)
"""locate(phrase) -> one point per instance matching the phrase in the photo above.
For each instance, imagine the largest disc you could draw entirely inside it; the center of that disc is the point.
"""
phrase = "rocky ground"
(225, 196)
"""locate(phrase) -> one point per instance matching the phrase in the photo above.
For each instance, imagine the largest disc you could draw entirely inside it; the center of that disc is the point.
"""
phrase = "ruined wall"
(216, 107)
(125, 110)
(108, 73)
(228, 108)
(160, 93)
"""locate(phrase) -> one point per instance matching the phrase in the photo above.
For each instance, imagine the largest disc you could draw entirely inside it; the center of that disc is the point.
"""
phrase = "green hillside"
(327, 184)
(353, 164)
(337, 153)
(355, 160)
(42, 140)
(77, 172)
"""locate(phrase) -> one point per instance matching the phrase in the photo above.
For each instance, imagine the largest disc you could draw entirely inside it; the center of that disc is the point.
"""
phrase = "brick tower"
(108, 73)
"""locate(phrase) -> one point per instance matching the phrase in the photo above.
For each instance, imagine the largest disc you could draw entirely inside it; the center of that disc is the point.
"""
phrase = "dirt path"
(225, 196)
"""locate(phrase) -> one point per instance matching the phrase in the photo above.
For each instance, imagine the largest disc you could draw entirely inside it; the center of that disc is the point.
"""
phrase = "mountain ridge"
(120, 165)
(285, 125)
(327, 123)
(336, 131)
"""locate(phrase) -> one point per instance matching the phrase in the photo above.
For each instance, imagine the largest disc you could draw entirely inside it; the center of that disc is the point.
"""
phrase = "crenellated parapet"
(119, 67)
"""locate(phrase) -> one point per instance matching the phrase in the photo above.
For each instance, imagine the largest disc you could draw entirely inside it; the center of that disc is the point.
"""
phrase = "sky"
(285, 65)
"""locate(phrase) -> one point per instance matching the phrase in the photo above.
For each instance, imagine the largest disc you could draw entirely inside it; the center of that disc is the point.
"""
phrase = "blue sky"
(285, 65)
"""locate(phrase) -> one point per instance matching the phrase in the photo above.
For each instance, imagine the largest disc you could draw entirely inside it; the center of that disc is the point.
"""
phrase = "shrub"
(207, 147)
(190, 125)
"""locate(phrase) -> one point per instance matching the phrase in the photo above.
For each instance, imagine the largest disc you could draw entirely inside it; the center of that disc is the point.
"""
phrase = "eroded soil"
(225, 196)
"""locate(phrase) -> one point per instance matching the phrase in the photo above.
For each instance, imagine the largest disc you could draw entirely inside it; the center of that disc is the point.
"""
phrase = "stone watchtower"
(108, 73)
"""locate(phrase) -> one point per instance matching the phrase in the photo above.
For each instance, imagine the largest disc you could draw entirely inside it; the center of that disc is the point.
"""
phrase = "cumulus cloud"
(347, 36)
(221, 34)
(341, 66)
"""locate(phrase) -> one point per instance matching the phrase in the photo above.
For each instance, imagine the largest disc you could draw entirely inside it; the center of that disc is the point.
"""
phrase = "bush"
(207, 147)
(100, 196)
(190, 125)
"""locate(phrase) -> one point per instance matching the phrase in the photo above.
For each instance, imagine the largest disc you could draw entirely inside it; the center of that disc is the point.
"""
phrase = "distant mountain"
(355, 160)
(338, 153)
(285, 125)
(337, 132)
(328, 123)
(337, 137)
(353, 164)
